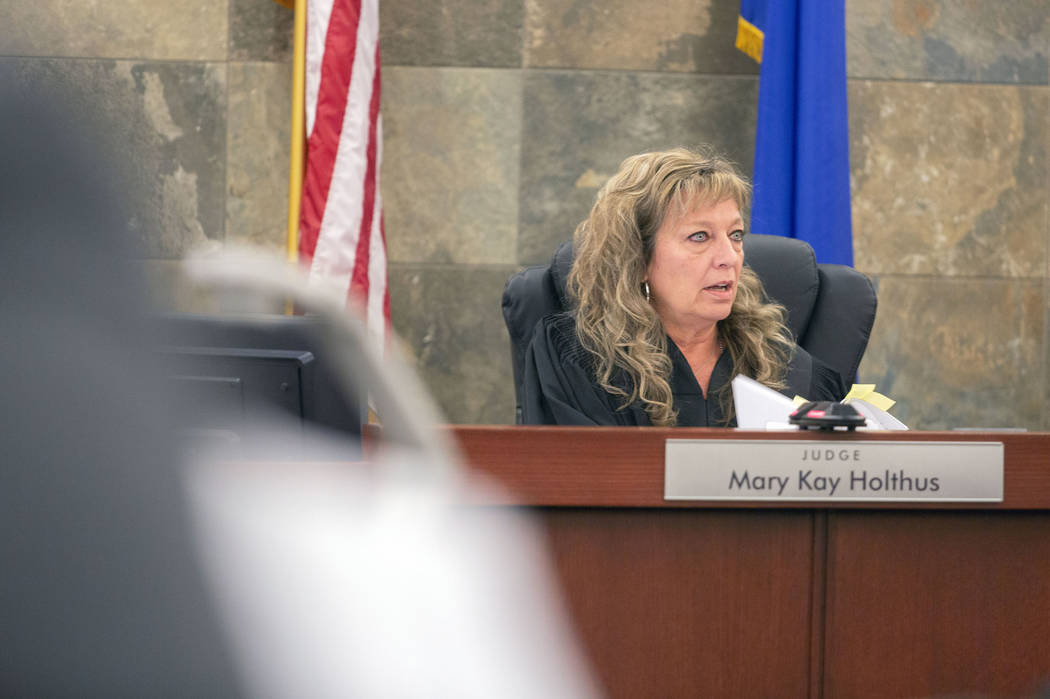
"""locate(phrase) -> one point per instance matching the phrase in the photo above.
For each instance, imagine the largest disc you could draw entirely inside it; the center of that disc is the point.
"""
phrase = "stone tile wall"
(950, 128)
(502, 118)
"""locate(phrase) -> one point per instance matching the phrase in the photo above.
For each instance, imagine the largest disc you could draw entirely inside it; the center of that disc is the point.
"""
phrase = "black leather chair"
(831, 308)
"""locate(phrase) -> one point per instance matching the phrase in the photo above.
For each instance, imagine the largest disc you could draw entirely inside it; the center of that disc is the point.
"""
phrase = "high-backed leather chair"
(831, 308)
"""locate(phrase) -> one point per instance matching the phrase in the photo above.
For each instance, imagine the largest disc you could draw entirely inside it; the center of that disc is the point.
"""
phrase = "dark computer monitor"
(232, 373)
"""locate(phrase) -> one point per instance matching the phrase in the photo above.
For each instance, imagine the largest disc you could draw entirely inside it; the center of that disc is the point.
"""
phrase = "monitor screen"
(233, 373)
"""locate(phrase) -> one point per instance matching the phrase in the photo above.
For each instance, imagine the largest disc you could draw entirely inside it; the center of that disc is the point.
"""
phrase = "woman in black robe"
(665, 314)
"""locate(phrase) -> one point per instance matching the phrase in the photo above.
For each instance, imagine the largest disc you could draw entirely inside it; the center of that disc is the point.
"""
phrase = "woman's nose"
(725, 252)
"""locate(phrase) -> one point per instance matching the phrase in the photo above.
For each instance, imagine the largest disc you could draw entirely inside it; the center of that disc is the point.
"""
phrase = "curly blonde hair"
(613, 246)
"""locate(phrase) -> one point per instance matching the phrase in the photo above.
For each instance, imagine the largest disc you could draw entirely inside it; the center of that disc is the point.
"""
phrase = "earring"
(645, 290)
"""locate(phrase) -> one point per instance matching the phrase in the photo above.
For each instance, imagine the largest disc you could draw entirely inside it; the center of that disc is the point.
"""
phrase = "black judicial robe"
(558, 387)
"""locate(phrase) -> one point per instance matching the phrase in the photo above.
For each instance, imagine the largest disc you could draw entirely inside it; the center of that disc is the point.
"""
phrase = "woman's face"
(695, 267)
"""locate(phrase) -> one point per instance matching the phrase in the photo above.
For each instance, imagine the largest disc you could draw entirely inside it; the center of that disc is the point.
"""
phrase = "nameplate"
(790, 470)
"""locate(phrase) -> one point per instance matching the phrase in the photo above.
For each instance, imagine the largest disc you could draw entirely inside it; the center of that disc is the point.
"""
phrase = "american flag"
(341, 238)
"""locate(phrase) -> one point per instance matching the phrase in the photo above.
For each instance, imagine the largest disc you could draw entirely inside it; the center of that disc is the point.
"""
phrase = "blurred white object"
(343, 580)
(335, 584)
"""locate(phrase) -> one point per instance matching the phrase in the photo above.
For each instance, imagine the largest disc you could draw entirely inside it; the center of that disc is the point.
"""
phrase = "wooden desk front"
(681, 599)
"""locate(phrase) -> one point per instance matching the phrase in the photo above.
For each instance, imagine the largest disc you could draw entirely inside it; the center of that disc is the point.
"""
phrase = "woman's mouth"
(723, 289)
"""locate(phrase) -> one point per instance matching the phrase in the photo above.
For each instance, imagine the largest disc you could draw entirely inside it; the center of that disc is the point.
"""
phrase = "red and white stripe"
(341, 236)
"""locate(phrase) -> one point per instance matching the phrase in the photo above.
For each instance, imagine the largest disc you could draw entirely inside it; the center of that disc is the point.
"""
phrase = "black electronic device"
(232, 373)
(826, 415)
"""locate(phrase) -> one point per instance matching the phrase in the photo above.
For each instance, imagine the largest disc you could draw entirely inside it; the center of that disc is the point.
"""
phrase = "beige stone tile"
(261, 30)
(163, 124)
(176, 128)
(137, 29)
(451, 144)
(450, 319)
(580, 125)
(675, 35)
(1003, 42)
(960, 352)
(257, 160)
(451, 33)
(1046, 101)
(949, 179)
(1046, 354)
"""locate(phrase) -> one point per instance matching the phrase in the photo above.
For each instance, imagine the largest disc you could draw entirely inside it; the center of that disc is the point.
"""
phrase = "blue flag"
(801, 172)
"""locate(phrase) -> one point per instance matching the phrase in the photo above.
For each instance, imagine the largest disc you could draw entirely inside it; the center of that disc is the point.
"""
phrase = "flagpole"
(298, 136)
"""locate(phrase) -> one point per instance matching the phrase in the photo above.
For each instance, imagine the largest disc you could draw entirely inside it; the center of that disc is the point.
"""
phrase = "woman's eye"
(699, 236)
(737, 235)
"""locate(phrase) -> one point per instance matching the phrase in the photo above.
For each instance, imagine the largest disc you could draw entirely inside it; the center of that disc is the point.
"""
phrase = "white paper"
(877, 418)
(757, 405)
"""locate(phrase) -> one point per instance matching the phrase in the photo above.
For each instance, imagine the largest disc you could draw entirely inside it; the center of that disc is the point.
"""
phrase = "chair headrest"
(788, 270)
(561, 265)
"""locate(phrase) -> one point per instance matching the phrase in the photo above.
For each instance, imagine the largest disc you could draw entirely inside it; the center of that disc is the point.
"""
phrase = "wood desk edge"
(623, 467)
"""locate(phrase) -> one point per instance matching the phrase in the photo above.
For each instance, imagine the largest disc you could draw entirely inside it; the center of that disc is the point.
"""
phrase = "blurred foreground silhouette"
(130, 573)
(101, 593)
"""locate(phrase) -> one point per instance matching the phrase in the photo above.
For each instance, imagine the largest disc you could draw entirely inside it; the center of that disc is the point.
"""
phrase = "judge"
(665, 313)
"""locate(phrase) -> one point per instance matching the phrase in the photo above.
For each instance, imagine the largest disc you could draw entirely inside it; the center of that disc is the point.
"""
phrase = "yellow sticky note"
(867, 392)
(859, 391)
(880, 401)
(799, 400)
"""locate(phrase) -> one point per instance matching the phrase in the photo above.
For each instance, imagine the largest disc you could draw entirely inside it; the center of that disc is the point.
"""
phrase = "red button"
(815, 413)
